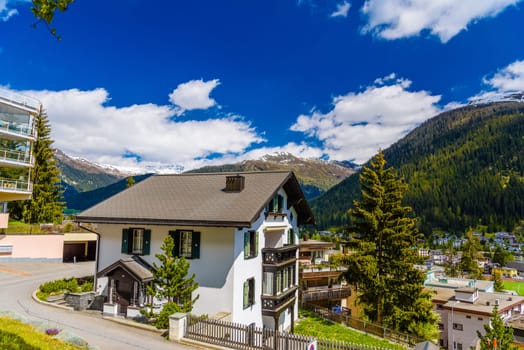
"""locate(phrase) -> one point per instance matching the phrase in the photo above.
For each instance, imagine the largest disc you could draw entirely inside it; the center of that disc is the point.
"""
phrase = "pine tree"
(497, 281)
(46, 203)
(170, 279)
(130, 181)
(470, 256)
(390, 287)
(496, 336)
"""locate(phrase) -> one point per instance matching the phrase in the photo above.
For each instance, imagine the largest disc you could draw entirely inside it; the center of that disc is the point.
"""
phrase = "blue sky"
(165, 84)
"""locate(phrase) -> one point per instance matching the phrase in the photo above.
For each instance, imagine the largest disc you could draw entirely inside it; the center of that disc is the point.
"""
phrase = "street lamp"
(453, 325)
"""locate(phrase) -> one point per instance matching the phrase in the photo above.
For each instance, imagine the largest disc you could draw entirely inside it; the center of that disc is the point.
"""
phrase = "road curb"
(134, 324)
(35, 298)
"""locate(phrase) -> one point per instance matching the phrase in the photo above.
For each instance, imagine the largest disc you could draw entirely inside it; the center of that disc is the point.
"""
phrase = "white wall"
(213, 271)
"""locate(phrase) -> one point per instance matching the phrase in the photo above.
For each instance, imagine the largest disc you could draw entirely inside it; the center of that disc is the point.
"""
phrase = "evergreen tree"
(470, 256)
(450, 267)
(497, 282)
(46, 203)
(130, 181)
(501, 256)
(390, 287)
(496, 336)
(170, 279)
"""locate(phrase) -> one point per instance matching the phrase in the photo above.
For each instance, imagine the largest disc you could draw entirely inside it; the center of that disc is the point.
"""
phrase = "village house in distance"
(238, 231)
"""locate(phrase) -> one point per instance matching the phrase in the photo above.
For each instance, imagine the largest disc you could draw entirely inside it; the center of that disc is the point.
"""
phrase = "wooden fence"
(242, 337)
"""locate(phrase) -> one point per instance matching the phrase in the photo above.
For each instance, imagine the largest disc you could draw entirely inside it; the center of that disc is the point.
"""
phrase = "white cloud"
(499, 85)
(395, 19)
(193, 95)
(84, 125)
(6, 12)
(342, 10)
(361, 123)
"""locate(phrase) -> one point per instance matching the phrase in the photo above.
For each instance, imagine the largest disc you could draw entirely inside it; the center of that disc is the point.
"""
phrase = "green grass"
(516, 286)
(15, 335)
(313, 325)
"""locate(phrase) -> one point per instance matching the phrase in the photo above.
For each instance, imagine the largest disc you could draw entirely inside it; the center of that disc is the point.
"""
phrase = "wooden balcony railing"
(325, 293)
(277, 256)
(275, 303)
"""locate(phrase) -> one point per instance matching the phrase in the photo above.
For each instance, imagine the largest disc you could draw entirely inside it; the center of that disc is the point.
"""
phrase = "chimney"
(235, 183)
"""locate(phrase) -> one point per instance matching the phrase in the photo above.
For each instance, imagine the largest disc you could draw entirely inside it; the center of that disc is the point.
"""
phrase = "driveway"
(19, 280)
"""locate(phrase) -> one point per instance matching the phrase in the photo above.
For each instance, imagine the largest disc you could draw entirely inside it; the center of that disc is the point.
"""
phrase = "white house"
(464, 311)
(238, 231)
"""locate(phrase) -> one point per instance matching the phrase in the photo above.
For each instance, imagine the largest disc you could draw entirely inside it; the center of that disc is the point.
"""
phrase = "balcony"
(11, 190)
(16, 130)
(279, 256)
(15, 158)
(274, 304)
(325, 293)
(20, 101)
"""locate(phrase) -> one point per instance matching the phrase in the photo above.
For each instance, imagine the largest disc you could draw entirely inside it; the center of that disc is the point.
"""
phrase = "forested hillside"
(463, 167)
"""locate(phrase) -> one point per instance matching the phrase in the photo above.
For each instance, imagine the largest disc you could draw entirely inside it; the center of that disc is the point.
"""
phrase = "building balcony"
(14, 130)
(23, 102)
(11, 158)
(325, 293)
(274, 304)
(11, 190)
(279, 256)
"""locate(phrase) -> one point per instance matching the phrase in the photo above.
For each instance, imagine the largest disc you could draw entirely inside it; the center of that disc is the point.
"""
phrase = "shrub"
(170, 308)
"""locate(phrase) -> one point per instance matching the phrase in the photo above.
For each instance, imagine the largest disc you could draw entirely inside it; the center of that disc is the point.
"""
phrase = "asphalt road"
(19, 280)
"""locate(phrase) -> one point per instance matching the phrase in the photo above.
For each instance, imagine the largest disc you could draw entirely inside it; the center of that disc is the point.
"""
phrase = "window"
(457, 326)
(187, 244)
(440, 307)
(136, 241)
(290, 236)
(267, 283)
(279, 281)
(480, 319)
(459, 346)
(441, 326)
(250, 244)
(468, 316)
(249, 292)
(276, 204)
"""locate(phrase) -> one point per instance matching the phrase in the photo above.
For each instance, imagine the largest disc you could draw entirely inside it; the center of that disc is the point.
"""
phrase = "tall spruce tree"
(470, 256)
(46, 203)
(390, 287)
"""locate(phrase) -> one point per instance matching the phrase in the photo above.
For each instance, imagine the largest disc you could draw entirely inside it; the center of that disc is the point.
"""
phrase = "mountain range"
(86, 183)
(463, 168)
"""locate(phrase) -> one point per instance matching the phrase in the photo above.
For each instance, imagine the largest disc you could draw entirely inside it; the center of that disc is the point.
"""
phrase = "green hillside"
(464, 167)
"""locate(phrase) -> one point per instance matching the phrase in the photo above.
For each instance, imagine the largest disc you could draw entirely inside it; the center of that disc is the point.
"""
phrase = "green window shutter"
(246, 294)
(146, 247)
(256, 243)
(195, 249)
(125, 241)
(176, 239)
(246, 244)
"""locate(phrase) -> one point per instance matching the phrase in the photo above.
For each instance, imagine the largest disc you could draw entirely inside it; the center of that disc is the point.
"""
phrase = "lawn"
(514, 285)
(16, 335)
(313, 325)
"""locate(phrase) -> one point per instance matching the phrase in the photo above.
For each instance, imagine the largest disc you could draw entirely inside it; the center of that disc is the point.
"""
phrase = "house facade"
(17, 135)
(239, 233)
(464, 311)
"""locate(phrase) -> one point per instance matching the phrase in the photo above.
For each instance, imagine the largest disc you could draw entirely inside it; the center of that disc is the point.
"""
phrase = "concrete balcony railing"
(11, 185)
(15, 158)
(19, 100)
(16, 130)
(325, 293)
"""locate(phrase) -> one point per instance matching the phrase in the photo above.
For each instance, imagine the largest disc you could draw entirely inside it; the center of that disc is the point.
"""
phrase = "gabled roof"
(135, 266)
(199, 199)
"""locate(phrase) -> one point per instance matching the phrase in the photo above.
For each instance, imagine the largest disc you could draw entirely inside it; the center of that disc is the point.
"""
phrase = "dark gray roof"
(198, 199)
(134, 265)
